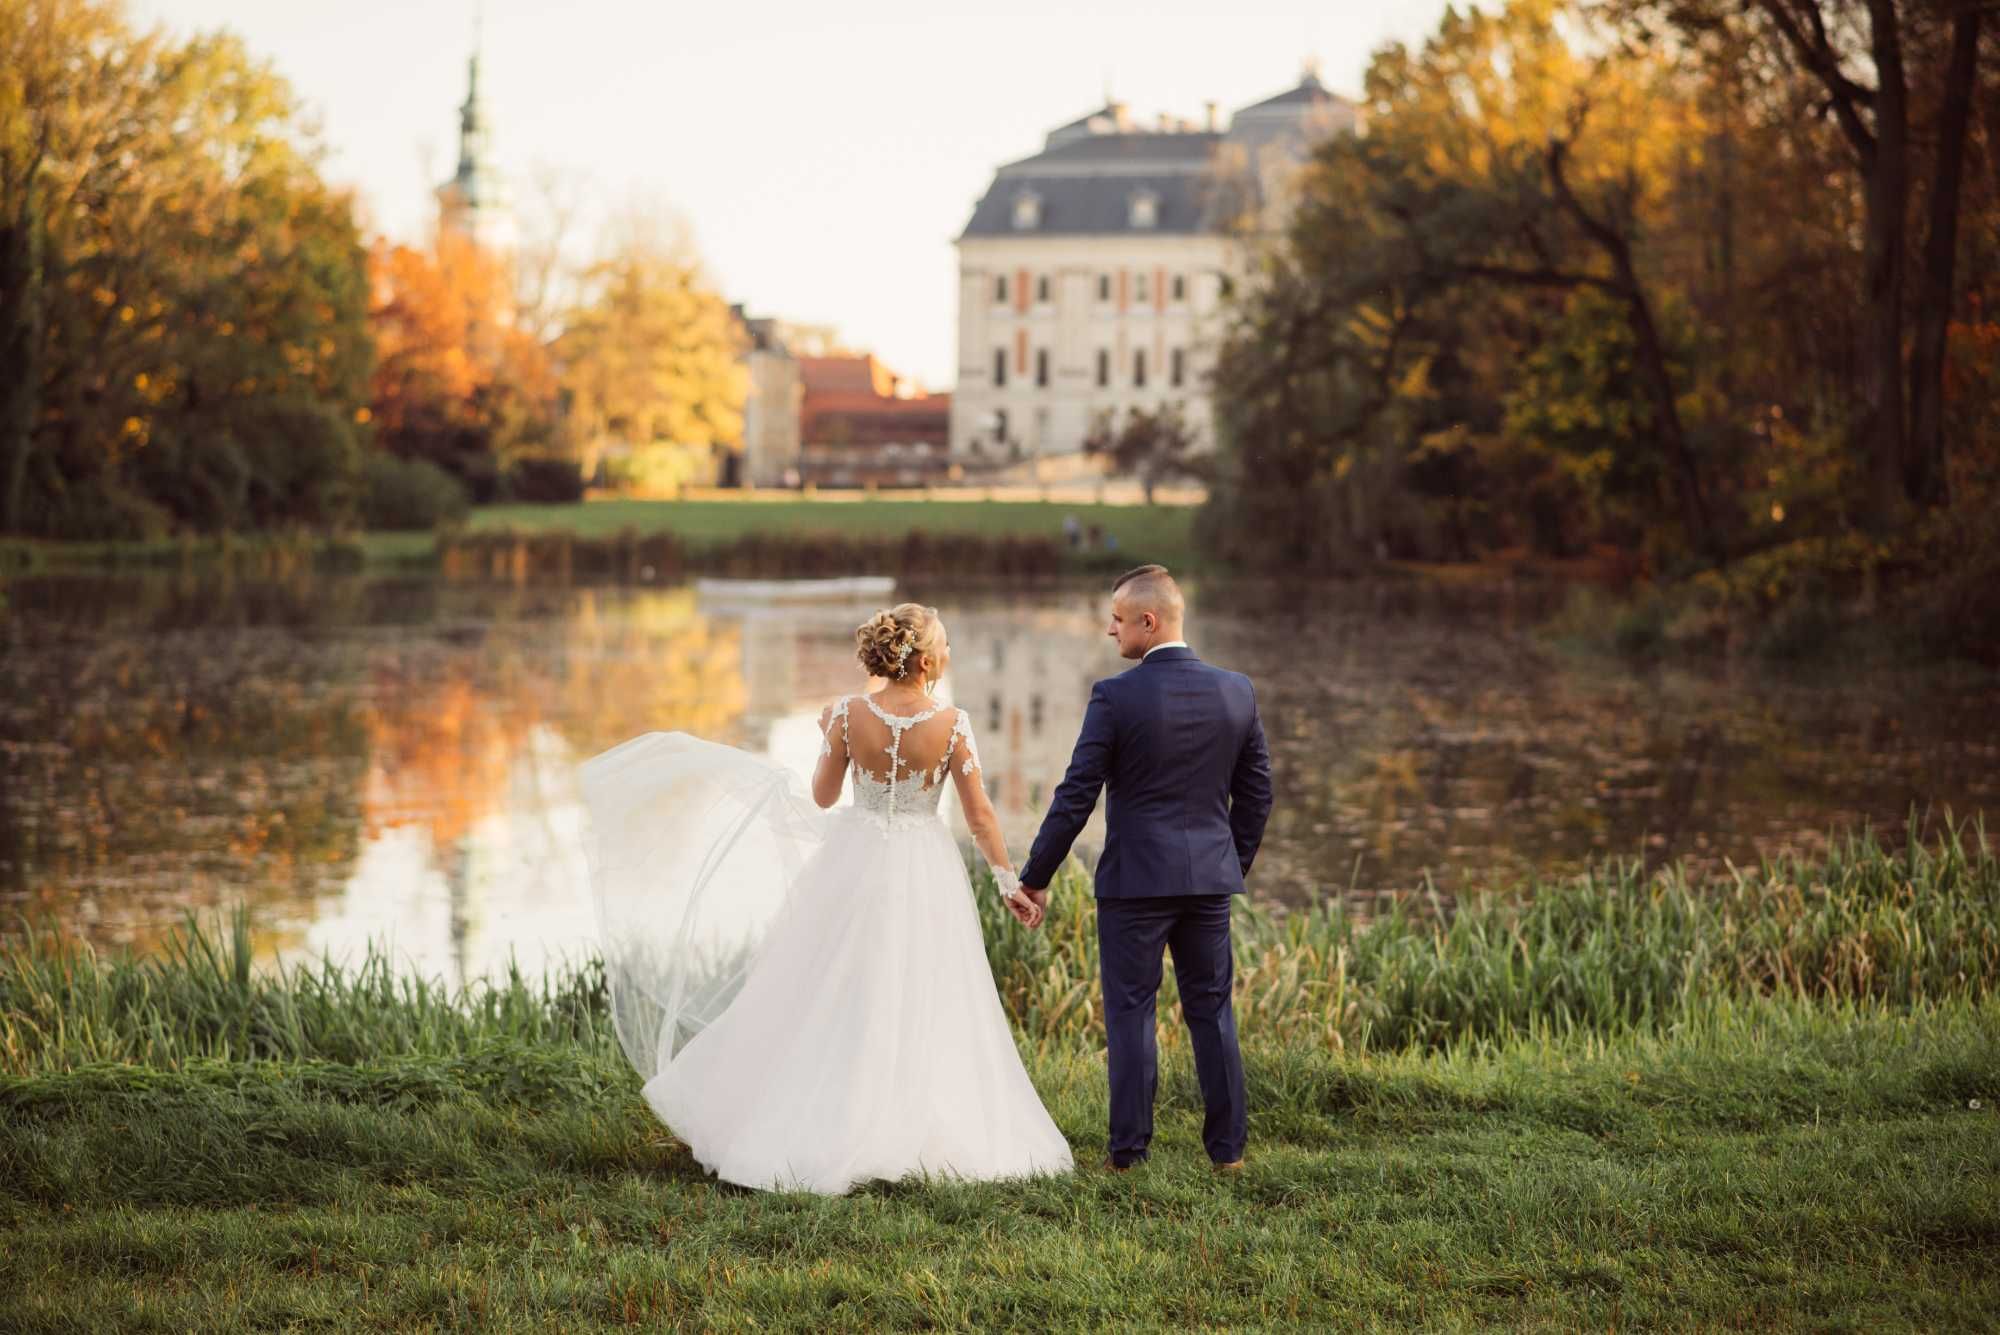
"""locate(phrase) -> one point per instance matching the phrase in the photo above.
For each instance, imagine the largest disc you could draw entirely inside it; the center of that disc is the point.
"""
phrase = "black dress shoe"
(1111, 1165)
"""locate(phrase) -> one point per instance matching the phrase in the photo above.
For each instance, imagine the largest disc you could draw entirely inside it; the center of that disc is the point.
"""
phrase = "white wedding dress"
(806, 992)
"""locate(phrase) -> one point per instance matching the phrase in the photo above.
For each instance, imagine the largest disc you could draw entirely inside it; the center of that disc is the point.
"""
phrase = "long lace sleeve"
(961, 760)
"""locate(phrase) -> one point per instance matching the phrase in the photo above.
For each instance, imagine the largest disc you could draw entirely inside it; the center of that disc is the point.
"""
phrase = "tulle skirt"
(849, 1028)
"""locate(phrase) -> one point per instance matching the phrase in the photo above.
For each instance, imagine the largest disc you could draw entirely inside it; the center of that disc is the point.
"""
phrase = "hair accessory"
(903, 654)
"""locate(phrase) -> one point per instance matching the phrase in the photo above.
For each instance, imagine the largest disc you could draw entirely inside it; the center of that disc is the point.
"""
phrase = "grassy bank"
(1625, 1101)
(730, 533)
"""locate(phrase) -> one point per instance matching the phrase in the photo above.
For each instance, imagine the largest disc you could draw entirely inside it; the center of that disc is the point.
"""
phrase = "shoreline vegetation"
(1631, 1098)
(1850, 601)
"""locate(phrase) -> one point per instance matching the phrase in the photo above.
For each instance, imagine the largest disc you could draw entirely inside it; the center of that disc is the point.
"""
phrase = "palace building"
(1091, 274)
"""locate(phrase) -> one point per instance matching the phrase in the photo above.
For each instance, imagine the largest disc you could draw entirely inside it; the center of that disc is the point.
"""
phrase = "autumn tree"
(1897, 81)
(182, 330)
(458, 381)
(652, 362)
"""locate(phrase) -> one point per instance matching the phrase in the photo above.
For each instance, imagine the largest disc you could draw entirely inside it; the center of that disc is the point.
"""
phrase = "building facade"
(862, 425)
(1092, 275)
(772, 407)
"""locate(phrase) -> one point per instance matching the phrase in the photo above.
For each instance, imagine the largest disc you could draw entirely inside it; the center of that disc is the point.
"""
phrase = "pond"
(364, 758)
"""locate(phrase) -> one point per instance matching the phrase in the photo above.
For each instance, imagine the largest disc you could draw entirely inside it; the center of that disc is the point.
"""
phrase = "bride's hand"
(1024, 909)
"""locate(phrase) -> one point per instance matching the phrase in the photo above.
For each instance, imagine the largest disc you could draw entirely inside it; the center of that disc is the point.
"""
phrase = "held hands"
(1023, 904)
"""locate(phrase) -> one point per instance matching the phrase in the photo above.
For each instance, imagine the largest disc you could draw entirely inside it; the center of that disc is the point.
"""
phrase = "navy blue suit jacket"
(1178, 747)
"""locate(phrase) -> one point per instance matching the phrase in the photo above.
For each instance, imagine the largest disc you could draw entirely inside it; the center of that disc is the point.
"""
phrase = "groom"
(1178, 745)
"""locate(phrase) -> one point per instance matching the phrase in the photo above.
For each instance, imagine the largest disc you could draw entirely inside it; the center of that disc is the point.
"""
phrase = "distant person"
(1111, 542)
(1072, 531)
(1177, 748)
(1091, 537)
(806, 995)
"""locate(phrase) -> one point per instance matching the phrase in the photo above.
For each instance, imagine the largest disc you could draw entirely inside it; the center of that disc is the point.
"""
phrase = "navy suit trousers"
(1131, 933)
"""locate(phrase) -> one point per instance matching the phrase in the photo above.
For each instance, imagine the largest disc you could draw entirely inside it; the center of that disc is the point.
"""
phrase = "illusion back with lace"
(899, 762)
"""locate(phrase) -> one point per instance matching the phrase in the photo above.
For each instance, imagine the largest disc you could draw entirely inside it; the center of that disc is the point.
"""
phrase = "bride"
(806, 995)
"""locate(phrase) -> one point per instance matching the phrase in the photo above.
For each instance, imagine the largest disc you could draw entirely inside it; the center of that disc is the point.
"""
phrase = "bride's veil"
(694, 848)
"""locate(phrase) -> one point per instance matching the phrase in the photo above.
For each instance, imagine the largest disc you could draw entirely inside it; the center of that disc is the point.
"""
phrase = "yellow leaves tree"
(652, 362)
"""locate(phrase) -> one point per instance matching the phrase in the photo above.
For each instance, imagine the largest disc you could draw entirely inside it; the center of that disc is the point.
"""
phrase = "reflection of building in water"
(795, 660)
(1025, 677)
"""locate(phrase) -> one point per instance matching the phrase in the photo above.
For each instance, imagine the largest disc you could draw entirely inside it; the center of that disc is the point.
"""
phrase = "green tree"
(1151, 445)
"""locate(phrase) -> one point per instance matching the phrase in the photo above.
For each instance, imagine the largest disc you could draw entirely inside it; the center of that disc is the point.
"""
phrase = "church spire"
(474, 200)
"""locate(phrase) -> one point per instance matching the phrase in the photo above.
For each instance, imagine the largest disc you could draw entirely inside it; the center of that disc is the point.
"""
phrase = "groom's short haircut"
(1152, 589)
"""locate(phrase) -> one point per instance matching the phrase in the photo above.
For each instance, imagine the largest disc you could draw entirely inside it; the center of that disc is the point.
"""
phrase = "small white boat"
(770, 592)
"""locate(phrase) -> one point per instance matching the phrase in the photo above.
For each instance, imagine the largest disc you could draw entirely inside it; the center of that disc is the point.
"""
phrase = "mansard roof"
(1085, 179)
(1086, 185)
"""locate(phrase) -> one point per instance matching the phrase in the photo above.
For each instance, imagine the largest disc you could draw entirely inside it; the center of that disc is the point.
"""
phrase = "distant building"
(1091, 274)
(863, 425)
(771, 412)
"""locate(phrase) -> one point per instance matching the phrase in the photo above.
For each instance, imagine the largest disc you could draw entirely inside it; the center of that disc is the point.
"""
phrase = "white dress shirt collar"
(1170, 644)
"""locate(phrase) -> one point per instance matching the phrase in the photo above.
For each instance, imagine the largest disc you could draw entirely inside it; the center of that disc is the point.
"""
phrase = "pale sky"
(824, 155)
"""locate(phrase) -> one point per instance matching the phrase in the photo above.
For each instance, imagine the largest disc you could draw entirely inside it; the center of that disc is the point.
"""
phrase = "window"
(1180, 288)
(1027, 211)
(1141, 290)
(1103, 367)
(1177, 369)
(1000, 289)
(1139, 369)
(1041, 368)
(1000, 426)
(1104, 287)
(999, 366)
(1145, 209)
(1042, 288)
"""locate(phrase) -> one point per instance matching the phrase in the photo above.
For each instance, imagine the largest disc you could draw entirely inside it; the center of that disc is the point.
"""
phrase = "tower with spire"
(474, 201)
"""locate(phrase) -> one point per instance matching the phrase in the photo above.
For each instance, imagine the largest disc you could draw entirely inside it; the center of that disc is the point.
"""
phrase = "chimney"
(1121, 116)
(1209, 118)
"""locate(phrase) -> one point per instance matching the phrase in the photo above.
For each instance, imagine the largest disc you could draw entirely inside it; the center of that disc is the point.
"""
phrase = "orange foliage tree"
(456, 381)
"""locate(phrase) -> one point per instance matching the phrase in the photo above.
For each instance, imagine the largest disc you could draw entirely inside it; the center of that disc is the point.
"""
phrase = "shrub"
(544, 480)
(408, 494)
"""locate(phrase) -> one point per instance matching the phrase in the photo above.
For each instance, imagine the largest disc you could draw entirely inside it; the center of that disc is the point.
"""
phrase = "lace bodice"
(898, 793)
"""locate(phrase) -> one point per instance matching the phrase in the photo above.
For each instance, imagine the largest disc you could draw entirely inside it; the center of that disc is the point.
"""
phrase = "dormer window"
(1145, 209)
(1027, 211)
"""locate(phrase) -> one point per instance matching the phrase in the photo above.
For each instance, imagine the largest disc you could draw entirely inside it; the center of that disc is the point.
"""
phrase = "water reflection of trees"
(360, 752)
(147, 768)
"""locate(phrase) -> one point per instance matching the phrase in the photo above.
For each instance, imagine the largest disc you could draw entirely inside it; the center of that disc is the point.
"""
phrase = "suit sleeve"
(1250, 791)
(1076, 796)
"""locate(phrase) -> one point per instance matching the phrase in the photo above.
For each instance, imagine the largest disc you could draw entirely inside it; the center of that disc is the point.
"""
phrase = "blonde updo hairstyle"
(892, 643)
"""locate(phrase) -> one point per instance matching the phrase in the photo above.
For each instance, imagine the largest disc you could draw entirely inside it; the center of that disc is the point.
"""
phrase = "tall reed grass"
(1617, 951)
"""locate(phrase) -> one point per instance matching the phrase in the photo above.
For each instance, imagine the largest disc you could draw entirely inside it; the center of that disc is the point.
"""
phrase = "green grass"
(1627, 1100)
(1157, 533)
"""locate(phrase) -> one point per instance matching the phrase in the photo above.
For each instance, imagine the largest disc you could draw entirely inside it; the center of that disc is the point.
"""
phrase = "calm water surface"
(390, 759)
